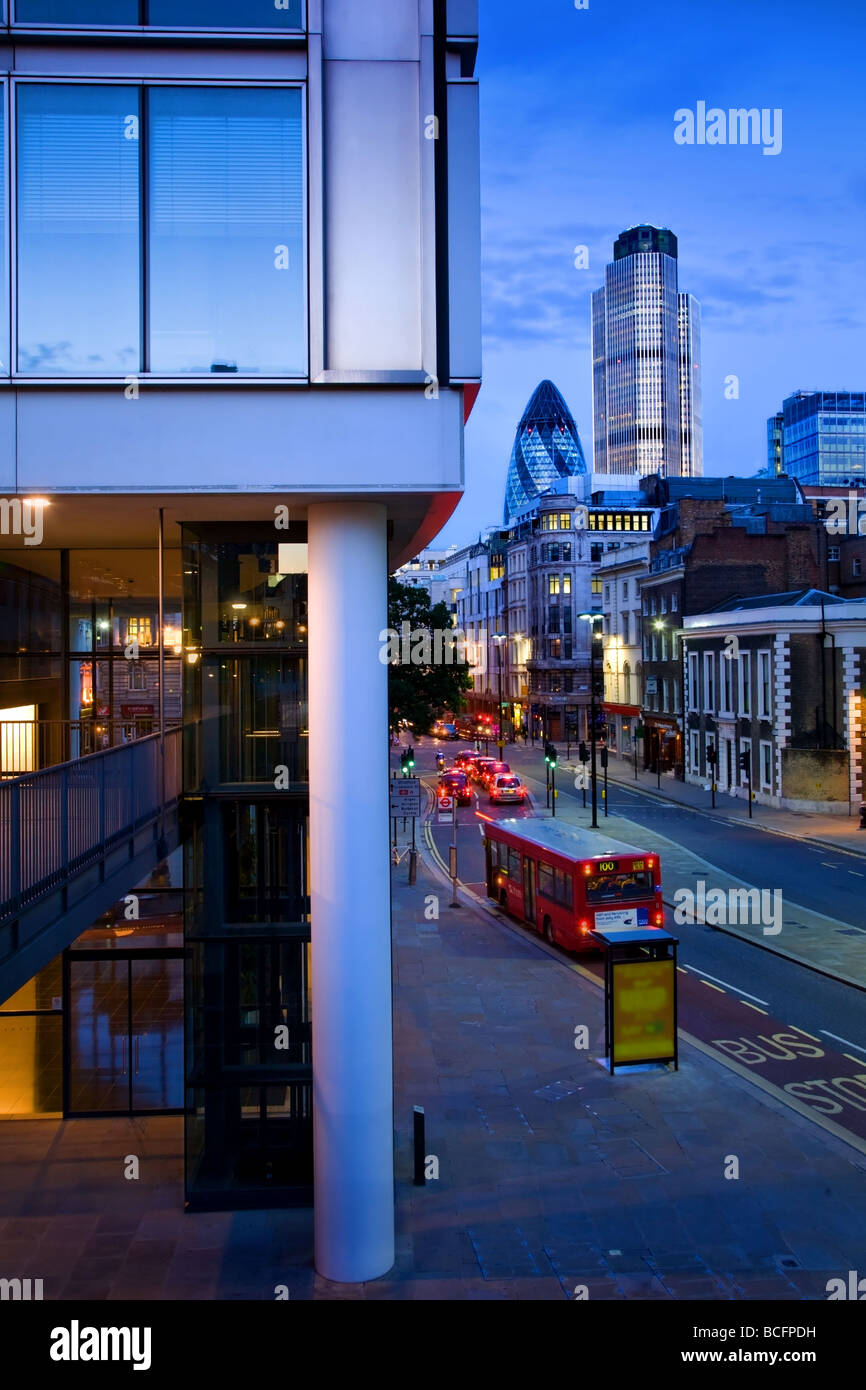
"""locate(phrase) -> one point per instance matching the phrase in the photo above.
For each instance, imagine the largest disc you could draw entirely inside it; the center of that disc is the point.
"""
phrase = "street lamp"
(592, 619)
(499, 638)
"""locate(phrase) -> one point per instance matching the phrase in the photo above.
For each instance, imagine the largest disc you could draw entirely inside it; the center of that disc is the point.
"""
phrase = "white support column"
(350, 892)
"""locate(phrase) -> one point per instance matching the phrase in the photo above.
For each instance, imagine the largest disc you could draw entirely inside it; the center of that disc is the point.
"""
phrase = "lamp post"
(592, 618)
(499, 638)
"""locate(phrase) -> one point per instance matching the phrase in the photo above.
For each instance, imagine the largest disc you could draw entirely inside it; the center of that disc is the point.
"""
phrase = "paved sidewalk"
(810, 938)
(840, 832)
(552, 1174)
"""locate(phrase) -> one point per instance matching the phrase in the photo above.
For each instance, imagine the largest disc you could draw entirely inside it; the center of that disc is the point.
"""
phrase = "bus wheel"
(548, 932)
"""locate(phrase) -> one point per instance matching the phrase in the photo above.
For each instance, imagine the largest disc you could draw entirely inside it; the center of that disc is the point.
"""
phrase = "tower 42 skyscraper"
(646, 362)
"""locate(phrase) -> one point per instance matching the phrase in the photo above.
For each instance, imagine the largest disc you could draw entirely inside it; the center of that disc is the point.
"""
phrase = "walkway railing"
(60, 821)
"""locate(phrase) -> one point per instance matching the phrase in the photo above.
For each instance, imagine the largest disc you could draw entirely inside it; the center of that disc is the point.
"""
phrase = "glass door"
(124, 1038)
(156, 1035)
(529, 889)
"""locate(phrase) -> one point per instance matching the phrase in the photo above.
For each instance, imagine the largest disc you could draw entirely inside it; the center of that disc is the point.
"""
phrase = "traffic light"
(745, 761)
(404, 763)
(711, 755)
(410, 757)
(551, 755)
(546, 751)
(583, 753)
(604, 757)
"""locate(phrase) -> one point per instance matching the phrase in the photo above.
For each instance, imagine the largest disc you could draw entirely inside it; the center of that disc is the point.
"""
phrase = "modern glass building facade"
(546, 449)
(646, 362)
(820, 437)
(207, 330)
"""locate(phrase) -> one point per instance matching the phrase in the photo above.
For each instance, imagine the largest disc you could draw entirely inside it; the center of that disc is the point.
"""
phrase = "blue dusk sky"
(577, 136)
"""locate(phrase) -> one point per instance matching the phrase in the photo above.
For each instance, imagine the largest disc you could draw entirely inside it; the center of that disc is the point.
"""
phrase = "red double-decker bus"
(565, 882)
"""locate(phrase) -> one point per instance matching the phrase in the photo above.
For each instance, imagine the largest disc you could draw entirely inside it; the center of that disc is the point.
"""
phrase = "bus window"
(545, 881)
(609, 888)
(494, 853)
(563, 887)
(514, 871)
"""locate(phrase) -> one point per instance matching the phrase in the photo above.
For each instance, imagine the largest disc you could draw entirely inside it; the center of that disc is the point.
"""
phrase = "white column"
(350, 892)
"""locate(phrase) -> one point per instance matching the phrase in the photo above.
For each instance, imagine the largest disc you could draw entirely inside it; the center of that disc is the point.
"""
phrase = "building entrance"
(123, 1048)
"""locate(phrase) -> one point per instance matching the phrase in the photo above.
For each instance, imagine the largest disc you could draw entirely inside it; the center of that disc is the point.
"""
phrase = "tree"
(422, 682)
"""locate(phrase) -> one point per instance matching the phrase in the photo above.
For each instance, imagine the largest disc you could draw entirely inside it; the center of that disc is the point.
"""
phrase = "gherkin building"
(547, 447)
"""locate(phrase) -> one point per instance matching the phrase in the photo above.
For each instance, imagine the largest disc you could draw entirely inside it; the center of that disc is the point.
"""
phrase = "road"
(777, 1022)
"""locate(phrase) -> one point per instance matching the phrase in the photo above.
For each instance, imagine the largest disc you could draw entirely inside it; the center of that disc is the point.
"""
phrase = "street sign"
(405, 795)
(446, 808)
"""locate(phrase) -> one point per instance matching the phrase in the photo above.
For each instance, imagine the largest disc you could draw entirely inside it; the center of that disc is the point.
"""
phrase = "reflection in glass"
(226, 231)
(108, 12)
(78, 230)
(164, 14)
(225, 14)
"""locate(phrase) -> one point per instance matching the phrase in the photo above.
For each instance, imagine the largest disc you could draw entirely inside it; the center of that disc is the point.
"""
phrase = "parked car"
(455, 783)
(508, 787)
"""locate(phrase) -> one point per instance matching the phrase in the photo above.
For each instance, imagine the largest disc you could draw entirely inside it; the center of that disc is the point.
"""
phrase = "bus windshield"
(618, 888)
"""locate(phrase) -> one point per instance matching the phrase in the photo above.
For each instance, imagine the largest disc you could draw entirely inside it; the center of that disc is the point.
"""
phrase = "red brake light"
(660, 918)
(584, 924)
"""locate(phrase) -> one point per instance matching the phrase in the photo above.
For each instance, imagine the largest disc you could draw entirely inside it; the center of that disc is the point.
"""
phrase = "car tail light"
(584, 924)
(660, 919)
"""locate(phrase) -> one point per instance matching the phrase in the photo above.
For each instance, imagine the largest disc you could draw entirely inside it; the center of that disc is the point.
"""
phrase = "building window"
(223, 273)
(727, 666)
(566, 649)
(553, 618)
(625, 588)
(695, 740)
(626, 683)
(764, 690)
(664, 694)
(163, 14)
(745, 683)
(554, 649)
(834, 552)
(766, 751)
(595, 585)
(607, 593)
(566, 583)
(226, 169)
(856, 568)
(137, 676)
(78, 189)
(565, 521)
(566, 550)
(675, 647)
(674, 603)
(550, 521)
(663, 604)
(553, 583)
(710, 682)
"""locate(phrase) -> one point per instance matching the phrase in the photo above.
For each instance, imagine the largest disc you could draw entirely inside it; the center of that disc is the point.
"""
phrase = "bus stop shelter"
(640, 996)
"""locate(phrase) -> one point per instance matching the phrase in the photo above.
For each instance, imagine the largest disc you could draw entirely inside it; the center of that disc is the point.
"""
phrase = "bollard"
(413, 865)
(418, 1135)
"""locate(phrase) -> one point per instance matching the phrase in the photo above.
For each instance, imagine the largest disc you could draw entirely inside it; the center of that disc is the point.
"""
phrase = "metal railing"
(32, 744)
(57, 822)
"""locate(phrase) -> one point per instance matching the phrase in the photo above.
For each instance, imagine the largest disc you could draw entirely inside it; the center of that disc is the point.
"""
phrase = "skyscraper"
(646, 362)
(547, 447)
(819, 437)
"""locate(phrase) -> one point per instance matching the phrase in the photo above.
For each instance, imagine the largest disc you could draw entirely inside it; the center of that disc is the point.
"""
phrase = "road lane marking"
(715, 987)
(846, 1041)
(825, 864)
(858, 1060)
(755, 1007)
(855, 873)
(808, 1035)
(728, 985)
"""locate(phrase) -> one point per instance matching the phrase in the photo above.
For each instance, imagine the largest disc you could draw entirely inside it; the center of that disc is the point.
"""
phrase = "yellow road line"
(716, 987)
(805, 1034)
(859, 1060)
(755, 1007)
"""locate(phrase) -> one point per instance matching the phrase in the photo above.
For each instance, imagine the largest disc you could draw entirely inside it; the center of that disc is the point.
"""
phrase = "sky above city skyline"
(577, 143)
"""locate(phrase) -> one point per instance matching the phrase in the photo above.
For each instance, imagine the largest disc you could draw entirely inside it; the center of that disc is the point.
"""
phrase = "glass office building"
(207, 331)
(820, 438)
(646, 362)
(546, 449)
